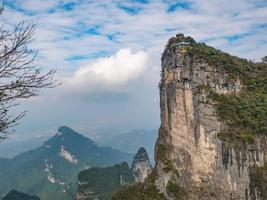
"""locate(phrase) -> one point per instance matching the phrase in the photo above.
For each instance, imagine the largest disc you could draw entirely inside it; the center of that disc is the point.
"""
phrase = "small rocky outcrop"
(15, 195)
(141, 166)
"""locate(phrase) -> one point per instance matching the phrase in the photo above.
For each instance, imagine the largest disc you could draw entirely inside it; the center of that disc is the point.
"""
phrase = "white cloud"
(109, 73)
(92, 29)
(62, 33)
(37, 5)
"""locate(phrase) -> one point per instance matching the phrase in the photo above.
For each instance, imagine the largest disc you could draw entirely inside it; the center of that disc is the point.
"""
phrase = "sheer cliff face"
(188, 151)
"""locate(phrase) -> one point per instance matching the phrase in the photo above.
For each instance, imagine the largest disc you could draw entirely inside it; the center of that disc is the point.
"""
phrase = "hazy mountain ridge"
(128, 142)
(15, 195)
(12, 149)
(131, 141)
(50, 168)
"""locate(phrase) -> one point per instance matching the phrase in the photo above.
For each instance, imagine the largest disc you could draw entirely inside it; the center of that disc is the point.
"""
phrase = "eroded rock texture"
(141, 166)
(188, 151)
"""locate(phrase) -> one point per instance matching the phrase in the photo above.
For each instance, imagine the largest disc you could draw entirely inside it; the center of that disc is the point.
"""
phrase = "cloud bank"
(108, 73)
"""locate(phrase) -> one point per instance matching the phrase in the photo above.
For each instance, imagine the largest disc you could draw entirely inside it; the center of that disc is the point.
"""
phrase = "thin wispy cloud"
(98, 28)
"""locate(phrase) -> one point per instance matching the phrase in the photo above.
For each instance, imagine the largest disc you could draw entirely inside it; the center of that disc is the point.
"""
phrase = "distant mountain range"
(48, 170)
(12, 149)
(130, 142)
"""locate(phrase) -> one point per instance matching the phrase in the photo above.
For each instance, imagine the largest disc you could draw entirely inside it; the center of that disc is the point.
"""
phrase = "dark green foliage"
(245, 113)
(15, 195)
(161, 152)
(233, 65)
(175, 191)
(258, 182)
(180, 38)
(141, 191)
(103, 182)
(162, 156)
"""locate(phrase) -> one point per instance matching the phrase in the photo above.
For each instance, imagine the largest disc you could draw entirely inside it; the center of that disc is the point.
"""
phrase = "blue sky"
(107, 54)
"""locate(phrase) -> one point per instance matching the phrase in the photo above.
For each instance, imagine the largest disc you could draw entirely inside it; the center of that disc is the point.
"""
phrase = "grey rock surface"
(141, 166)
(201, 163)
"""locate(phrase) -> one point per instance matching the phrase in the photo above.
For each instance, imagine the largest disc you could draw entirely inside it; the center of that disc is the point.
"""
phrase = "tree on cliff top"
(20, 76)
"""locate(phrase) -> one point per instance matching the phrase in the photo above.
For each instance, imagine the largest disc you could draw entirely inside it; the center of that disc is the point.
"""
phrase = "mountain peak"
(66, 130)
(141, 155)
(66, 136)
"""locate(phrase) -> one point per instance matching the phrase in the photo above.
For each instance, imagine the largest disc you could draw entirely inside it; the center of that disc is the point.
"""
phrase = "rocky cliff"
(212, 139)
(201, 153)
(141, 166)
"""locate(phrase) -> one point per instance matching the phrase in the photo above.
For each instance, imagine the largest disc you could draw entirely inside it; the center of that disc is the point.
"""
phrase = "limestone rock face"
(188, 151)
(141, 166)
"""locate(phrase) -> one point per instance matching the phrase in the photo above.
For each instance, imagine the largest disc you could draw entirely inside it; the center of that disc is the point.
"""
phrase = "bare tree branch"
(20, 75)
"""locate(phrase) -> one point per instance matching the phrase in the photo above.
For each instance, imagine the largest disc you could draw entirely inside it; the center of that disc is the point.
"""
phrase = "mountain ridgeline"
(212, 140)
(15, 195)
(131, 141)
(50, 171)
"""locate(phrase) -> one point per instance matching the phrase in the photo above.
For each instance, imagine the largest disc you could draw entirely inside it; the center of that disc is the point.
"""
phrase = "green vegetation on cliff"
(162, 156)
(149, 191)
(175, 191)
(245, 113)
(258, 182)
(101, 183)
(141, 191)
